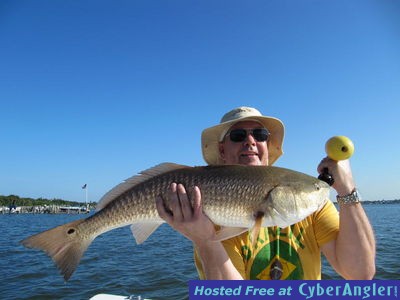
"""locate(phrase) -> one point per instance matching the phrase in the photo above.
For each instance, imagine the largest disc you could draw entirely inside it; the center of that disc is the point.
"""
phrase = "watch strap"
(353, 197)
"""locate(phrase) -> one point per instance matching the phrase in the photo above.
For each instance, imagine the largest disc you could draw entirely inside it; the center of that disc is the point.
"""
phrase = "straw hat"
(211, 137)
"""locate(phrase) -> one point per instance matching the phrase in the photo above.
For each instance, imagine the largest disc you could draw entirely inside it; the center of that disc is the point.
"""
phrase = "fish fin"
(228, 232)
(141, 231)
(255, 231)
(160, 169)
(136, 179)
(63, 244)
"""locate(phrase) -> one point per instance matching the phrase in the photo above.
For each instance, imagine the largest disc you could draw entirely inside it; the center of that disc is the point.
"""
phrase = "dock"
(45, 209)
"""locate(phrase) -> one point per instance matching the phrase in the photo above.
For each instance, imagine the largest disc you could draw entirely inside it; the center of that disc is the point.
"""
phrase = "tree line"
(13, 200)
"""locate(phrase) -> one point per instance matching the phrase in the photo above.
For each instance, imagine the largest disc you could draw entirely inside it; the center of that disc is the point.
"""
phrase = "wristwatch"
(354, 197)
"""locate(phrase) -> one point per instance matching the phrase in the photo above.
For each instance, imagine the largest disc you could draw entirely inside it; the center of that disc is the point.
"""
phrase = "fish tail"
(63, 244)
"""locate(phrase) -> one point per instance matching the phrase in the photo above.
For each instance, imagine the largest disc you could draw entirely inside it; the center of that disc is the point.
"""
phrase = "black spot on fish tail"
(63, 244)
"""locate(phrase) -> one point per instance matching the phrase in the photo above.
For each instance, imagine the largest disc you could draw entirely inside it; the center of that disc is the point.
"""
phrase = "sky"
(93, 92)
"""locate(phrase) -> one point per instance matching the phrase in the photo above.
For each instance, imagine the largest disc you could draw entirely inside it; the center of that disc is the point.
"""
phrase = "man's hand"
(341, 173)
(184, 217)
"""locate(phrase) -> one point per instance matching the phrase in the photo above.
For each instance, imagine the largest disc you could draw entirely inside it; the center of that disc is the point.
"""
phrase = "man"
(246, 137)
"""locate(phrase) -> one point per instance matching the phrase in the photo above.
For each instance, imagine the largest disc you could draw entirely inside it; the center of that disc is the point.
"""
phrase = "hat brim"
(210, 138)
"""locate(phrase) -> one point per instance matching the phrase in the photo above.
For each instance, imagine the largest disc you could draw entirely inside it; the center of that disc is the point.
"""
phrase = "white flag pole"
(85, 187)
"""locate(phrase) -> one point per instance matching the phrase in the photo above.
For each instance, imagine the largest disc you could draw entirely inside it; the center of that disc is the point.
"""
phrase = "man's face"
(247, 152)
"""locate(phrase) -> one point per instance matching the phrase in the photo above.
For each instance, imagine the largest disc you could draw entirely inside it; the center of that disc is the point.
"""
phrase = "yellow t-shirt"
(292, 252)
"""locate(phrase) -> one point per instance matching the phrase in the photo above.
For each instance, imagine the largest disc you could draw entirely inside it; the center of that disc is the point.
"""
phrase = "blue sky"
(96, 91)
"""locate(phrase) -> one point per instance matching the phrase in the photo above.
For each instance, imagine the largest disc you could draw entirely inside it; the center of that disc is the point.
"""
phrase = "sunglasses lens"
(261, 134)
(238, 135)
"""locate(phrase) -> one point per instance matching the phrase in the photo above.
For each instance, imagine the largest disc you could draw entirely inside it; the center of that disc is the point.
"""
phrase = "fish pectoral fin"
(141, 231)
(255, 231)
(228, 232)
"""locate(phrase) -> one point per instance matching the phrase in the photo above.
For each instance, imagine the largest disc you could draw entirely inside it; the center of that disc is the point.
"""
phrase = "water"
(384, 219)
(158, 269)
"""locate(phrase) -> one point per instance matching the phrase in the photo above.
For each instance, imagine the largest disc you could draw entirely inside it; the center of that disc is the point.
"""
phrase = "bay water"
(160, 268)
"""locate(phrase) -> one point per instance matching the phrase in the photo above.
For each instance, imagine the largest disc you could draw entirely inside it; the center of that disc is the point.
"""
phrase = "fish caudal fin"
(63, 244)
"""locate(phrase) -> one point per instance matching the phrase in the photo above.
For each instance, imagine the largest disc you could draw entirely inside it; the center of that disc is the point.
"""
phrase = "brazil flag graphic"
(274, 255)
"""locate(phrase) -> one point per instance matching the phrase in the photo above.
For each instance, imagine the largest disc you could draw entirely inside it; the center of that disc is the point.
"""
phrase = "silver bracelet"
(353, 197)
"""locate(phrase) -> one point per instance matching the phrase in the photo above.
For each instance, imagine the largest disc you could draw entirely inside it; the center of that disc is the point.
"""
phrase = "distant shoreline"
(396, 201)
(381, 201)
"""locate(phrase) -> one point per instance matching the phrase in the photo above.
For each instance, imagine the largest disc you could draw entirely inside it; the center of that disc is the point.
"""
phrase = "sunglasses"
(239, 135)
